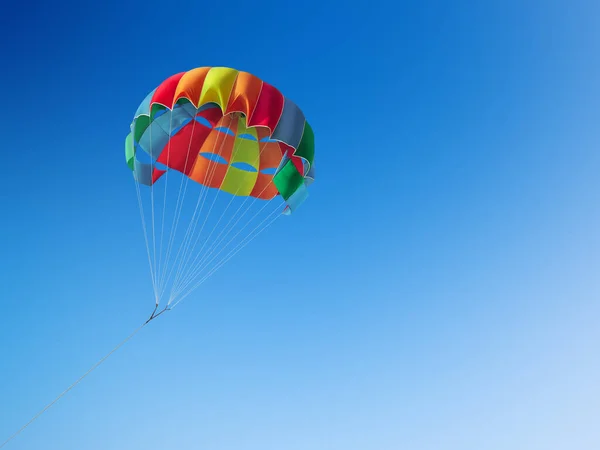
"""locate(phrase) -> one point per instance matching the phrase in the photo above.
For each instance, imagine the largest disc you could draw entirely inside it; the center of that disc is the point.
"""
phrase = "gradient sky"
(444, 288)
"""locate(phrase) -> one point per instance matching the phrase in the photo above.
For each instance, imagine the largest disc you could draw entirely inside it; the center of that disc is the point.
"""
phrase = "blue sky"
(444, 286)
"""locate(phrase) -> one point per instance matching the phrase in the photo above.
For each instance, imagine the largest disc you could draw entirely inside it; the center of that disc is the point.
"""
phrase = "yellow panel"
(246, 150)
(239, 182)
(217, 86)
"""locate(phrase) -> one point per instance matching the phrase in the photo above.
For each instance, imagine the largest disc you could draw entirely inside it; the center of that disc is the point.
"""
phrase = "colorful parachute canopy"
(216, 130)
(224, 129)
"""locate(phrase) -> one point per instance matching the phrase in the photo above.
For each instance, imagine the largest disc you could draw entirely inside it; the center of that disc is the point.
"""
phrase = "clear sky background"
(444, 287)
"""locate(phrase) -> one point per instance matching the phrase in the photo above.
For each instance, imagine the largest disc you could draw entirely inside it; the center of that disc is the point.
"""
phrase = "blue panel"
(142, 173)
(291, 125)
(298, 197)
(144, 108)
(156, 136)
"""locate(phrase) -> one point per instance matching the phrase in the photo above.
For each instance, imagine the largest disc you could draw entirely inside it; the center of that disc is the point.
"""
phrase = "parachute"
(233, 144)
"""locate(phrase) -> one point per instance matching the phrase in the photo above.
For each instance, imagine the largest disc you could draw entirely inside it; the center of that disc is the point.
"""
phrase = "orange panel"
(218, 142)
(270, 155)
(208, 173)
(264, 188)
(190, 85)
(244, 94)
(263, 132)
(271, 152)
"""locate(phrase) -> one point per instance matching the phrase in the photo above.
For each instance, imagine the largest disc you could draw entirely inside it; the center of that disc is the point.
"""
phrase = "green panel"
(139, 126)
(156, 107)
(288, 180)
(306, 149)
(129, 151)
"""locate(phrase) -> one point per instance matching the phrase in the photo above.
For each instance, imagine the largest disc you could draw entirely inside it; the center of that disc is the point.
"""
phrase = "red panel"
(156, 174)
(183, 143)
(268, 108)
(180, 153)
(165, 92)
(213, 115)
